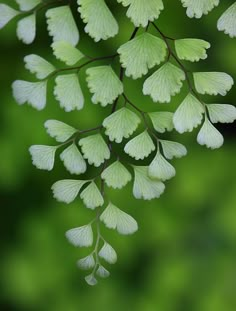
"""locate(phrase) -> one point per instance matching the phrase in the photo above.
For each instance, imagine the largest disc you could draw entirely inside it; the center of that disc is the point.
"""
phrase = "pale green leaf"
(59, 130)
(73, 160)
(148, 50)
(108, 253)
(197, 8)
(33, 93)
(140, 146)
(66, 52)
(91, 280)
(68, 92)
(160, 168)
(81, 236)
(227, 21)
(27, 5)
(101, 24)
(141, 12)
(6, 14)
(61, 25)
(95, 149)
(164, 83)
(188, 115)
(26, 29)
(222, 113)
(114, 218)
(43, 156)
(121, 124)
(67, 190)
(91, 196)
(86, 263)
(104, 84)
(191, 49)
(102, 272)
(210, 136)
(162, 121)
(172, 149)
(145, 187)
(38, 65)
(116, 175)
(213, 83)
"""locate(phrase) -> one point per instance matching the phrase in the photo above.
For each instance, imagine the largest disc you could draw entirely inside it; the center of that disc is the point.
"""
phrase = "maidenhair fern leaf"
(86, 263)
(148, 51)
(222, 113)
(26, 29)
(66, 52)
(91, 196)
(103, 84)
(73, 160)
(59, 130)
(210, 136)
(172, 149)
(196, 8)
(227, 22)
(116, 175)
(81, 236)
(101, 24)
(108, 253)
(164, 83)
(162, 121)
(6, 14)
(61, 25)
(38, 65)
(191, 49)
(68, 92)
(43, 156)
(160, 168)
(91, 280)
(27, 5)
(102, 272)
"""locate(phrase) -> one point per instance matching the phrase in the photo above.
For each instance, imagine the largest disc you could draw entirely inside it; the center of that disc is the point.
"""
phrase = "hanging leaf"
(227, 21)
(121, 124)
(162, 121)
(101, 24)
(26, 29)
(189, 114)
(27, 5)
(91, 196)
(59, 130)
(196, 8)
(164, 83)
(210, 136)
(73, 160)
(62, 16)
(116, 175)
(91, 280)
(39, 66)
(33, 93)
(140, 146)
(43, 156)
(160, 168)
(66, 52)
(94, 149)
(86, 263)
(114, 218)
(6, 14)
(148, 51)
(172, 149)
(81, 236)
(104, 84)
(108, 253)
(191, 49)
(212, 83)
(68, 92)
(67, 190)
(145, 187)
(102, 272)
(222, 113)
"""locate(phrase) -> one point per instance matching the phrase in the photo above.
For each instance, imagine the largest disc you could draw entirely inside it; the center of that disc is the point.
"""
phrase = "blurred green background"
(183, 257)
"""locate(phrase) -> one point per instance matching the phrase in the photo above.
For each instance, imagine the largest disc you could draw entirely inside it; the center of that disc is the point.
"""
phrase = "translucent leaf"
(222, 113)
(27, 5)
(26, 29)
(81, 236)
(164, 83)
(121, 124)
(33, 93)
(196, 8)
(91, 280)
(162, 121)
(148, 50)
(91, 196)
(172, 149)
(210, 136)
(108, 253)
(140, 146)
(160, 168)
(188, 115)
(102, 272)
(68, 92)
(6, 14)
(59, 130)
(114, 218)
(94, 149)
(67, 190)
(116, 175)
(145, 187)
(101, 24)
(73, 160)
(43, 156)
(61, 25)
(191, 49)
(86, 263)
(141, 12)
(38, 65)
(212, 83)
(227, 21)
(66, 52)
(104, 84)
